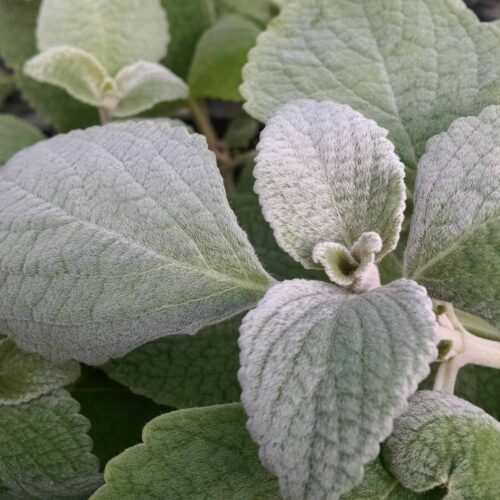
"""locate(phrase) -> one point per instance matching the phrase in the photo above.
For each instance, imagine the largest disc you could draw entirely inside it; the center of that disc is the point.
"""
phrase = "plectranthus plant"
(331, 332)
(106, 54)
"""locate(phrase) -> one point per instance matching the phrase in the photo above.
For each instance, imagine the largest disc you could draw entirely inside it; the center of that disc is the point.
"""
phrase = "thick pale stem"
(466, 349)
(105, 115)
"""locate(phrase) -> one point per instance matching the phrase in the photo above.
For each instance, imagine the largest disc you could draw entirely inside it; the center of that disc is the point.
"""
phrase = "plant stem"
(466, 349)
(105, 115)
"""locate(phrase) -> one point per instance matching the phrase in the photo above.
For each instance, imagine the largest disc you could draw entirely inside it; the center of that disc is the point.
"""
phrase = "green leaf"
(191, 454)
(16, 134)
(6, 86)
(17, 45)
(279, 264)
(25, 376)
(411, 65)
(44, 449)
(454, 240)
(327, 174)
(187, 20)
(75, 70)
(220, 55)
(258, 10)
(185, 371)
(241, 131)
(115, 236)
(143, 84)
(324, 372)
(116, 32)
(116, 415)
(443, 440)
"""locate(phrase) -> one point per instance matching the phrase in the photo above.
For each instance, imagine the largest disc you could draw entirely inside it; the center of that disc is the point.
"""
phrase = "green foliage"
(220, 55)
(16, 134)
(324, 372)
(443, 440)
(411, 65)
(455, 231)
(138, 251)
(191, 454)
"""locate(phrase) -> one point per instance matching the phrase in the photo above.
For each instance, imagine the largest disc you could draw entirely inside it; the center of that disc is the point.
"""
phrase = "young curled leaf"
(325, 173)
(324, 372)
(115, 236)
(445, 441)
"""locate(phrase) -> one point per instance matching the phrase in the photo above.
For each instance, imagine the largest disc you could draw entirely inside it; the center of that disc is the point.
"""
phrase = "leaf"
(17, 45)
(116, 415)
(220, 54)
(44, 449)
(279, 264)
(144, 84)
(258, 10)
(16, 134)
(25, 376)
(116, 32)
(191, 454)
(115, 236)
(185, 371)
(325, 173)
(411, 65)
(75, 70)
(240, 132)
(454, 240)
(324, 372)
(6, 86)
(443, 440)
(187, 22)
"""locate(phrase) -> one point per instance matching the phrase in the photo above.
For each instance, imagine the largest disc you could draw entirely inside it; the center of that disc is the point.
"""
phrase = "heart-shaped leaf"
(454, 242)
(324, 372)
(16, 134)
(203, 453)
(327, 174)
(411, 65)
(116, 32)
(444, 441)
(115, 236)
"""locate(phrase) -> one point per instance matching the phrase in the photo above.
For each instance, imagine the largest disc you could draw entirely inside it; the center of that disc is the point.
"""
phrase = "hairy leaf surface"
(185, 371)
(324, 372)
(454, 243)
(220, 55)
(443, 440)
(117, 32)
(16, 134)
(191, 454)
(115, 236)
(411, 65)
(325, 173)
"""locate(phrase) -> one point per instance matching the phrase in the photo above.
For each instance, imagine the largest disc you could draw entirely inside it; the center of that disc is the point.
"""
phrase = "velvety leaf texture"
(411, 65)
(443, 440)
(45, 451)
(325, 173)
(185, 371)
(115, 236)
(16, 134)
(220, 55)
(198, 454)
(454, 243)
(117, 32)
(25, 376)
(324, 372)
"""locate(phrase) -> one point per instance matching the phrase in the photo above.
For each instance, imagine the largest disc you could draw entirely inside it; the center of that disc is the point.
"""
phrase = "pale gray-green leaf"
(25, 376)
(115, 236)
(78, 72)
(323, 374)
(325, 173)
(117, 32)
(444, 440)
(45, 449)
(197, 454)
(411, 65)
(454, 243)
(185, 371)
(143, 84)
(16, 134)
